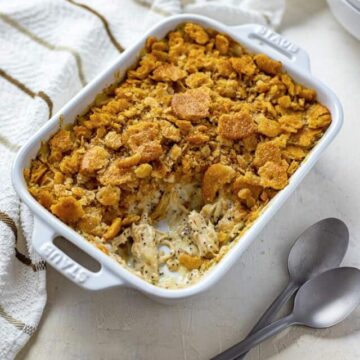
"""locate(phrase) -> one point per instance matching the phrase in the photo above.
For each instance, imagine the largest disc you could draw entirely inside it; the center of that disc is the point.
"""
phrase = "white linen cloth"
(49, 49)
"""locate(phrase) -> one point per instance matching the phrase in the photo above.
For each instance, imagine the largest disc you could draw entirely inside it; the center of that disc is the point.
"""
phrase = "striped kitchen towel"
(49, 49)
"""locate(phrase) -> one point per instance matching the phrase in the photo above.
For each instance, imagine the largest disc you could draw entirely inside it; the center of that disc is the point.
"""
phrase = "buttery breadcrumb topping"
(200, 135)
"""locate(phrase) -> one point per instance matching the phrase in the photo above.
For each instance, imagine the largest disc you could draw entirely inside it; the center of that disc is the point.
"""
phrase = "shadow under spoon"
(319, 248)
(323, 301)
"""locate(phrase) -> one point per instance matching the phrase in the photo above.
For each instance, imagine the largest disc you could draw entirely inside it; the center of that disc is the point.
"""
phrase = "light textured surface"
(123, 324)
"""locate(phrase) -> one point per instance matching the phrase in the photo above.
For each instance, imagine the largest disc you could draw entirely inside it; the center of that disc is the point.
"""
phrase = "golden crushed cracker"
(67, 209)
(197, 33)
(247, 197)
(70, 164)
(115, 175)
(93, 160)
(292, 123)
(45, 198)
(215, 177)
(227, 88)
(305, 137)
(273, 175)
(113, 229)
(113, 140)
(236, 126)
(38, 170)
(61, 141)
(244, 65)
(269, 66)
(294, 152)
(191, 105)
(108, 195)
(267, 127)
(144, 138)
(222, 44)
(267, 151)
(168, 72)
(200, 133)
(143, 171)
(199, 79)
(318, 116)
(189, 261)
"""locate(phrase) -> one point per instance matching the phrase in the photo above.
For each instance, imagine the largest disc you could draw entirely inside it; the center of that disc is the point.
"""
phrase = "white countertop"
(123, 324)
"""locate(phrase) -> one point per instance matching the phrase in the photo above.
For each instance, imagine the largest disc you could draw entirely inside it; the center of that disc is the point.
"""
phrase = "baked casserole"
(200, 135)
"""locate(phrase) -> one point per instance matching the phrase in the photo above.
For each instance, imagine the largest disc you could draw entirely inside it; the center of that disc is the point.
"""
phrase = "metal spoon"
(323, 301)
(320, 247)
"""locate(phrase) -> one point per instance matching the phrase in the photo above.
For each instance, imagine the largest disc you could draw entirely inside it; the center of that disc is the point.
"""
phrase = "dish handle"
(275, 43)
(43, 241)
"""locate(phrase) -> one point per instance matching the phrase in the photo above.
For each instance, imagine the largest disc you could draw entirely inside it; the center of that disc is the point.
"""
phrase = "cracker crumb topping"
(200, 134)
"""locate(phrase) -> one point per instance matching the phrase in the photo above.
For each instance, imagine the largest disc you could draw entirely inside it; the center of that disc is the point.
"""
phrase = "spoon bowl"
(319, 248)
(328, 298)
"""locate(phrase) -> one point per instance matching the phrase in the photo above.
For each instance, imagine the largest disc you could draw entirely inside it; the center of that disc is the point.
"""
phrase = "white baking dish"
(47, 227)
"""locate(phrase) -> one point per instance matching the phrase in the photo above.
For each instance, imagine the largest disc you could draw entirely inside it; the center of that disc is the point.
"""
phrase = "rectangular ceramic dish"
(47, 227)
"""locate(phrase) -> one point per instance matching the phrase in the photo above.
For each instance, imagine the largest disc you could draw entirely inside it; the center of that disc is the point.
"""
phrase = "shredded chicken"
(144, 251)
(203, 235)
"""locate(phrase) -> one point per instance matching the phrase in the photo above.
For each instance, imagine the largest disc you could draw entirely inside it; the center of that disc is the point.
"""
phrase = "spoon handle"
(253, 340)
(271, 312)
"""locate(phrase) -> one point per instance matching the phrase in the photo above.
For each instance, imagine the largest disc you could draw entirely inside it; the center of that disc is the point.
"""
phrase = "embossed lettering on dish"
(277, 40)
(64, 263)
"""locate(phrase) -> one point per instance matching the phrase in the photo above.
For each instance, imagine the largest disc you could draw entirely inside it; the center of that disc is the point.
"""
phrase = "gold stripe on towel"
(12, 147)
(104, 22)
(6, 219)
(46, 44)
(28, 91)
(41, 265)
(28, 329)
(48, 101)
